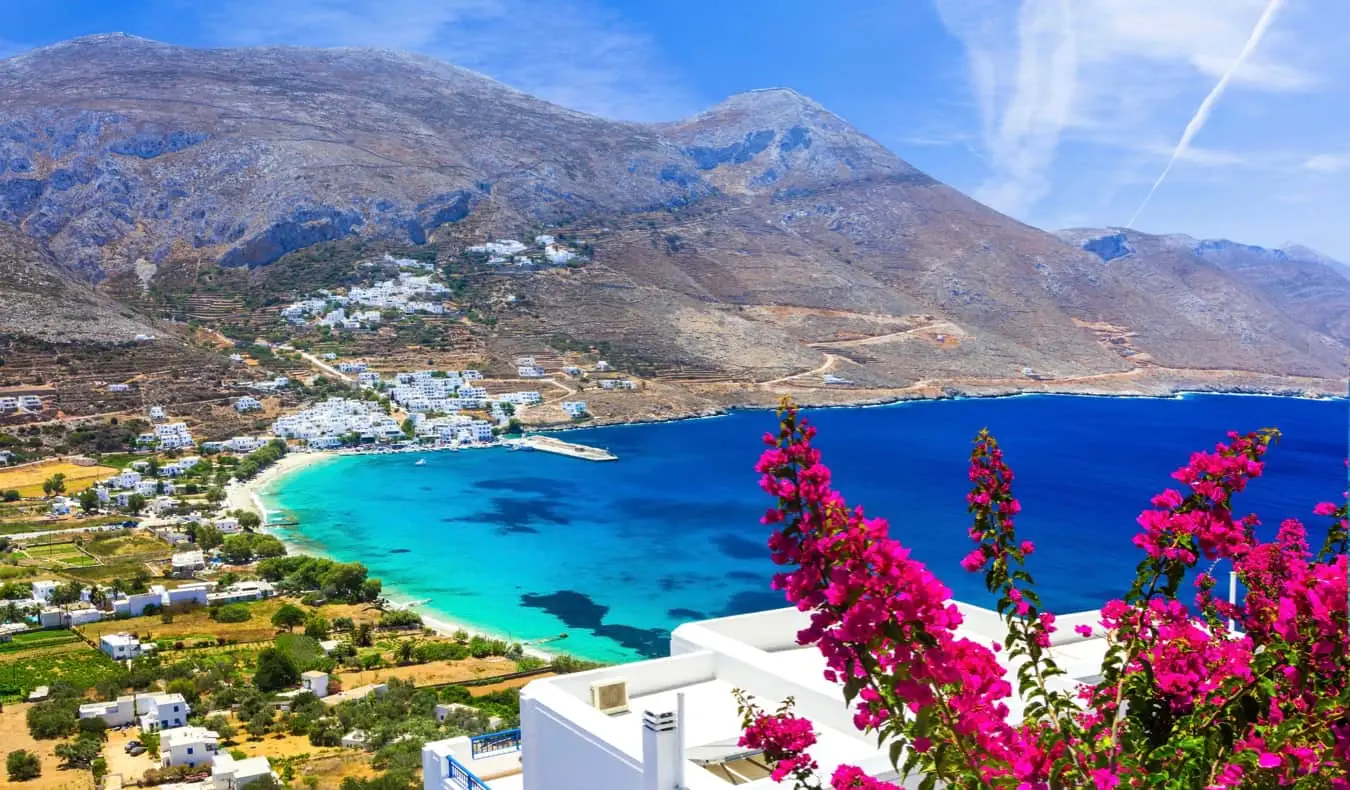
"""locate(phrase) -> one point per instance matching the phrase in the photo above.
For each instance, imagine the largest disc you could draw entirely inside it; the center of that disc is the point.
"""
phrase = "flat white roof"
(181, 736)
(758, 653)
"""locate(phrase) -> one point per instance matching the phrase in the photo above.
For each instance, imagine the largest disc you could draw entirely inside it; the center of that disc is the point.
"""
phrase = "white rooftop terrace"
(568, 743)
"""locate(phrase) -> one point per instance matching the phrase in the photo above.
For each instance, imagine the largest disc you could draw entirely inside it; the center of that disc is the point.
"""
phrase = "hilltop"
(761, 243)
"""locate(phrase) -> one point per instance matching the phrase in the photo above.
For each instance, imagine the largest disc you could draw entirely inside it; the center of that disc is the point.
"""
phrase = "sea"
(531, 546)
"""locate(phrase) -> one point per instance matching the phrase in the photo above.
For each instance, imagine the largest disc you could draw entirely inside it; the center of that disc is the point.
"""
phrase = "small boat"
(421, 462)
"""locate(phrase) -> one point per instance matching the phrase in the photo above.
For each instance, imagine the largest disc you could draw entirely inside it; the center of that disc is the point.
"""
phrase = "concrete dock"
(549, 444)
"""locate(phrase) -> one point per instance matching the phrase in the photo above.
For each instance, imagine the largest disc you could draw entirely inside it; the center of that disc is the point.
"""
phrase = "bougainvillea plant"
(1183, 699)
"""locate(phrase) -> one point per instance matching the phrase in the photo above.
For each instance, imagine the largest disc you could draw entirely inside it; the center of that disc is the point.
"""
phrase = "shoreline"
(248, 496)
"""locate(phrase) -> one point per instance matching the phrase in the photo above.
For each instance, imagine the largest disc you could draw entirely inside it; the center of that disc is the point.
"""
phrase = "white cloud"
(571, 52)
(1119, 73)
(1327, 163)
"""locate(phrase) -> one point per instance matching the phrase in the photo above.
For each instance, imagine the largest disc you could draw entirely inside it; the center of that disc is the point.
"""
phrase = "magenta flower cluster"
(1182, 695)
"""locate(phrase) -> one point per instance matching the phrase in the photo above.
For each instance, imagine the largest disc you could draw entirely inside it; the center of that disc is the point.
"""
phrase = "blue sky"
(1059, 112)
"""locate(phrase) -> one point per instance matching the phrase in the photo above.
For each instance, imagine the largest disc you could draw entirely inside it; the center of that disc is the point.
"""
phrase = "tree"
(79, 753)
(208, 537)
(362, 636)
(56, 484)
(405, 651)
(249, 520)
(409, 428)
(51, 719)
(22, 765)
(1181, 696)
(67, 593)
(275, 671)
(317, 627)
(135, 504)
(288, 617)
(260, 723)
(10, 495)
(88, 500)
(215, 495)
(221, 726)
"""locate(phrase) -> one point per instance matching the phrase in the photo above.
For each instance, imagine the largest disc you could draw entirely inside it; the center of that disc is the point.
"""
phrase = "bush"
(22, 765)
(52, 719)
(400, 618)
(288, 617)
(11, 495)
(275, 671)
(231, 613)
(1182, 698)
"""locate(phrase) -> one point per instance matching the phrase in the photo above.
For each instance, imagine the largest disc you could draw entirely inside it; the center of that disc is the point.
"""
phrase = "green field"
(31, 640)
(81, 668)
(67, 553)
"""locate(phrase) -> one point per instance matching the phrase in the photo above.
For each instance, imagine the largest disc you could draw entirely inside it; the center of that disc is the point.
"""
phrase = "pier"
(549, 444)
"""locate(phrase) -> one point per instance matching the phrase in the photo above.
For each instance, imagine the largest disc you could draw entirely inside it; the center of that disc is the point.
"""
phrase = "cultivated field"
(80, 665)
(60, 553)
(28, 479)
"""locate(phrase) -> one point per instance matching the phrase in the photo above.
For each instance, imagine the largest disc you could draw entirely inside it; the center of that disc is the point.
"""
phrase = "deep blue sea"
(532, 545)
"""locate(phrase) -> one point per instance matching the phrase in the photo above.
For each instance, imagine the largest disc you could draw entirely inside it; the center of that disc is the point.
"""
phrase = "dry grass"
(330, 770)
(198, 623)
(432, 674)
(14, 735)
(28, 479)
(482, 691)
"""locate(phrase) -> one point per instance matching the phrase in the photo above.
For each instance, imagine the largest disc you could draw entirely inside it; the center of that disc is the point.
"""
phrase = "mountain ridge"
(752, 239)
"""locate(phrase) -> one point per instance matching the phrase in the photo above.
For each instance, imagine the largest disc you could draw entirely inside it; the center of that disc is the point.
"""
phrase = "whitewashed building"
(162, 712)
(121, 647)
(574, 408)
(228, 773)
(187, 746)
(672, 722)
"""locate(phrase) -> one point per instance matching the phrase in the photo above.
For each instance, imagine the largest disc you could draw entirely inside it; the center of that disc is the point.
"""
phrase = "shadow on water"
(577, 610)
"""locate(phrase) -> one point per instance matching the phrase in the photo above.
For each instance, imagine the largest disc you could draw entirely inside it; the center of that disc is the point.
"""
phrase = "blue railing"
(492, 743)
(463, 778)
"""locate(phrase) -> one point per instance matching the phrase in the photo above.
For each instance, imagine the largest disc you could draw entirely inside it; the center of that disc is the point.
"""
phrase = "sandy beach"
(243, 496)
(246, 496)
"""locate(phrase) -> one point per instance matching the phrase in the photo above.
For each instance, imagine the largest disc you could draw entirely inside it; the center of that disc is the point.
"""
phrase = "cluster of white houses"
(156, 597)
(405, 294)
(166, 435)
(512, 252)
(180, 744)
(323, 425)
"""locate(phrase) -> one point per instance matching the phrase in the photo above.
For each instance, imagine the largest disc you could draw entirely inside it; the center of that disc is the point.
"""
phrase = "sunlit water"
(533, 545)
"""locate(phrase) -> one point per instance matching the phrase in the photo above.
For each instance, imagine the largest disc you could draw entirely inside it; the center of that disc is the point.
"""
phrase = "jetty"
(550, 444)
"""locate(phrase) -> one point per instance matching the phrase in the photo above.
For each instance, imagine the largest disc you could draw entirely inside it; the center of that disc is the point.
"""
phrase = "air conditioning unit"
(610, 696)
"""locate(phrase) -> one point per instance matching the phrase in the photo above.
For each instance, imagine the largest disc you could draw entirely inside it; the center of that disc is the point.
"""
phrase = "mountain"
(43, 301)
(762, 238)
(1302, 293)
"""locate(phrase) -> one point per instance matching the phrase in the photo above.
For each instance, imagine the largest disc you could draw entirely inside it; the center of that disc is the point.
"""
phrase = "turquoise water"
(532, 545)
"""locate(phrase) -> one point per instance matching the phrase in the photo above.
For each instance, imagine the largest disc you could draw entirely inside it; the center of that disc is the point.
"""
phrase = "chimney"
(663, 749)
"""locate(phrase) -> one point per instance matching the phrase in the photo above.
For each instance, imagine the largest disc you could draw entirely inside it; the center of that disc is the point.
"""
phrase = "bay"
(529, 545)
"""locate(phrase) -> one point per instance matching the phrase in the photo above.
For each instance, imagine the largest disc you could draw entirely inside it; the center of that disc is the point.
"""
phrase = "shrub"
(231, 613)
(400, 618)
(275, 671)
(22, 765)
(52, 719)
(1181, 698)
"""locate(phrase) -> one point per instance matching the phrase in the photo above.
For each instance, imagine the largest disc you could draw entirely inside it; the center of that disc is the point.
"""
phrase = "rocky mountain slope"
(44, 301)
(761, 238)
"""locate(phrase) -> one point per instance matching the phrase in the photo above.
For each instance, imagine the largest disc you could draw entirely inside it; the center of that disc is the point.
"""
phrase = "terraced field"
(27, 480)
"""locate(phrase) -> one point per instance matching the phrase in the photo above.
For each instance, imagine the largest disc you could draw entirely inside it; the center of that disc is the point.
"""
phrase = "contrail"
(1202, 115)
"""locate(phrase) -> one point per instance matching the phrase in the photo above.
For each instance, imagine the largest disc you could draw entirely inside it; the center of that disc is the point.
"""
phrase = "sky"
(1061, 113)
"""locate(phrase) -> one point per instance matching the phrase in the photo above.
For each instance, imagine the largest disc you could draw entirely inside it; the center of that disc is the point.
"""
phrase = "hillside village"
(153, 633)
